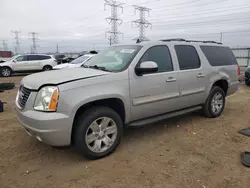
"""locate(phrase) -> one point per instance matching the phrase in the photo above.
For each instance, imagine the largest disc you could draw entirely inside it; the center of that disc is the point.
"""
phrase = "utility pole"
(110, 40)
(221, 35)
(31, 50)
(5, 47)
(114, 21)
(34, 41)
(57, 49)
(17, 48)
(142, 23)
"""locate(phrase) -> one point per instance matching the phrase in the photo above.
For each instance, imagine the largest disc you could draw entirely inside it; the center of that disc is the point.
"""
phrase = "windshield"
(115, 58)
(79, 59)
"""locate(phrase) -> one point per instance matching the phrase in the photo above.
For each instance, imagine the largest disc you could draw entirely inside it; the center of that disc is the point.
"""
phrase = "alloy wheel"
(101, 134)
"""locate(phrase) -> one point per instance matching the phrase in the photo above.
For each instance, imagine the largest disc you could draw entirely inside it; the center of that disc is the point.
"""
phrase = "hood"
(56, 77)
(5, 63)
(66, 65)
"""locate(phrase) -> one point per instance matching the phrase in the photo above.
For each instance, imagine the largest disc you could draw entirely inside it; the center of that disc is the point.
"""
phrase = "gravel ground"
(187, 151)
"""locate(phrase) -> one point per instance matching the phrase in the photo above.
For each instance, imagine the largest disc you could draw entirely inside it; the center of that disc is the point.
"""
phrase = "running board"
(162, 117)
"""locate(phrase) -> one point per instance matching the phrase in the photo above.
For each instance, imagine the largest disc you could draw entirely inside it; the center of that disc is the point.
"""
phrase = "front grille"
(24, 94)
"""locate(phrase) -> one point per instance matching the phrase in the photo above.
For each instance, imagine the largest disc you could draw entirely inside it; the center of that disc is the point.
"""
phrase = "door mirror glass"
(146, 67)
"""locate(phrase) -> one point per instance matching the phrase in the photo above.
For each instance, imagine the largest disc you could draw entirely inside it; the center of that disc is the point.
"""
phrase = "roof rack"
(183, 40)
(168, 40)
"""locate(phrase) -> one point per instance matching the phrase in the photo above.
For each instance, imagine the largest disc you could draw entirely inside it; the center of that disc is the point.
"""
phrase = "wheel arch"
(114, 103)
(223, 84)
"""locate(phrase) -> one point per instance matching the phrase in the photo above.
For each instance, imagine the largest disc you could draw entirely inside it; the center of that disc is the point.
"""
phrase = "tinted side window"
(44, 57)
(161, 56)
(33, 57)
(188, 57)
(21, 58)
(219, 56)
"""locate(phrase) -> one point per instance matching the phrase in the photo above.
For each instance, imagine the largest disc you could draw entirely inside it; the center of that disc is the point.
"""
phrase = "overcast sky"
(77, 25)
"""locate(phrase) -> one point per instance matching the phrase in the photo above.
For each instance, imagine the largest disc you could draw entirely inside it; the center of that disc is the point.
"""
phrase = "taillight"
(238, 70)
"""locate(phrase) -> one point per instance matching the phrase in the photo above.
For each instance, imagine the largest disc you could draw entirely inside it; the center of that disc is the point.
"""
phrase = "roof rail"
(204, 41)
(183, 40)
(168, 40)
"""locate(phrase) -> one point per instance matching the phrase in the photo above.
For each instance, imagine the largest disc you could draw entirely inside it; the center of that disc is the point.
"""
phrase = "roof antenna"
(138, 41)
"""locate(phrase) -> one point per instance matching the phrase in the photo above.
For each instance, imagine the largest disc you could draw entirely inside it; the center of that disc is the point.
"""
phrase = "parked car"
(59, 58)
(247, 76)
(144, 83)
(27, 63)
(78, 62)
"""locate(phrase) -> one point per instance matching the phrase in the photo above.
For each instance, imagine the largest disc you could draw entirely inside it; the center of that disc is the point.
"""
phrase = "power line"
(204, 16)
(114, 20)
(5, 47)
(34, 50)
(142, 23)
(17, 47)
(168, 7)
(206, 11)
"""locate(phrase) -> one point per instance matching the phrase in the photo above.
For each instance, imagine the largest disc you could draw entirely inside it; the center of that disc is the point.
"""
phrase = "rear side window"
(219, 55)
(38, 57)
(161, 56)
(32, 57)
(44, 57)
(188, 57)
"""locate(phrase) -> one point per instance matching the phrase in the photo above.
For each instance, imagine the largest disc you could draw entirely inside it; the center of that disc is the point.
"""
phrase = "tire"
(83, 127)
(5, 71)
(208, 109)
(247, 82)
(47, 68)
(7, 86)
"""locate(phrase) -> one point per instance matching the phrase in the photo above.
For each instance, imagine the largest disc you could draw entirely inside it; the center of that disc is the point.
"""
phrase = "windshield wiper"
(98, 68)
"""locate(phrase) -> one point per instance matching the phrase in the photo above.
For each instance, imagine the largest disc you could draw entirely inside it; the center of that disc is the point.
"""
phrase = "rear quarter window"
(219, 55)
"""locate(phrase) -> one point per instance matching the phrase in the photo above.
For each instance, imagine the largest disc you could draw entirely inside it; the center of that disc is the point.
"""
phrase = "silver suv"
(125, 85)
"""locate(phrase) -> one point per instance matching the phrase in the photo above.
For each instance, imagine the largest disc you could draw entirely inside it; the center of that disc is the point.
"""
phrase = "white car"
(78, 62)
(27, 63)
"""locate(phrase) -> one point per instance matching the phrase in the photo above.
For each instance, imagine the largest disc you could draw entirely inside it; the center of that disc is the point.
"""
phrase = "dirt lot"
(188, 151)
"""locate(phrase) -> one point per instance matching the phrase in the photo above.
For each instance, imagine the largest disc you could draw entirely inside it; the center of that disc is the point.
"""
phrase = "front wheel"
(98, 132)
(5, 71)
(215, 103)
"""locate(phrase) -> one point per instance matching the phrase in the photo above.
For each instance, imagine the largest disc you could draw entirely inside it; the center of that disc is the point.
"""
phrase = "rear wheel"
(98, 132)
(215, 103)
(5, 71)
(47, 68)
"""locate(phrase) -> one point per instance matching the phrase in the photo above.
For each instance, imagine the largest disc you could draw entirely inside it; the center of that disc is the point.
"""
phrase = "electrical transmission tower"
(142, 23)
(5, 47)
(114, 20)
(34, 50)
(17, 47)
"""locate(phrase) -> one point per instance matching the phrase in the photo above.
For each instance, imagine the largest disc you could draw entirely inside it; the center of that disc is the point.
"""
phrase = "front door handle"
(171, 79)
(200, 75)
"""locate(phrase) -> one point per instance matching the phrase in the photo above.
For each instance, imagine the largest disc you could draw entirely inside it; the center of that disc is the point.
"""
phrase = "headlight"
(47, 99)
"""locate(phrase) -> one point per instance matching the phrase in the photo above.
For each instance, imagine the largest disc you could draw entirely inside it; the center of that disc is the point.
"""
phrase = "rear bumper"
(50, 128)
(233, 87)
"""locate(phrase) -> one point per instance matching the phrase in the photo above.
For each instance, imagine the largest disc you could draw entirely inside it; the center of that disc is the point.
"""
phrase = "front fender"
(71, 100)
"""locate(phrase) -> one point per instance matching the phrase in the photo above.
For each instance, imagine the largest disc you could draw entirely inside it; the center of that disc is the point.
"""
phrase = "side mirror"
(146, 67)
(14, 61)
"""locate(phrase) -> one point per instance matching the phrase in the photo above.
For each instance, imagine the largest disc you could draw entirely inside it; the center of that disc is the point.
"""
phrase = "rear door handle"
(171, 79)
(200, 75)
